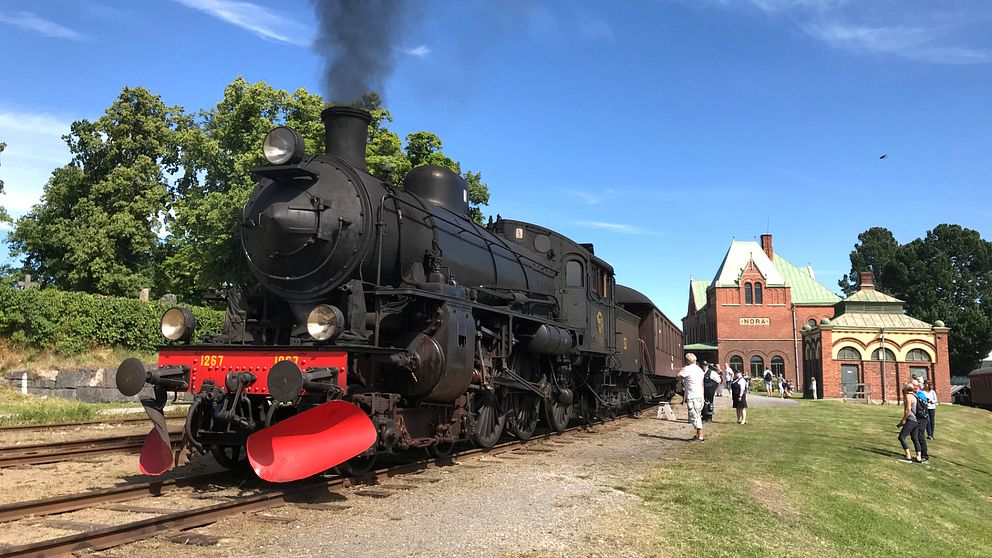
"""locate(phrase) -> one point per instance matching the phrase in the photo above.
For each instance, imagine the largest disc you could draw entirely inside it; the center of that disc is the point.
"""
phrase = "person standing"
(768, 382)
(932, 403)
(738, 392)
(691, 377)
(728, 375)
(812, 387)
(715, 370)
(711, 382)
(922, 417)
(781, 386)
(910, 425)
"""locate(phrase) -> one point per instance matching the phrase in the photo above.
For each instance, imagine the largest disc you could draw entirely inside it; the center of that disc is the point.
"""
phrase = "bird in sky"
(883, 156)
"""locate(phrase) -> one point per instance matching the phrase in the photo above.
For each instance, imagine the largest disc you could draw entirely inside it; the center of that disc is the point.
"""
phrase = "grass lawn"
(822, 479)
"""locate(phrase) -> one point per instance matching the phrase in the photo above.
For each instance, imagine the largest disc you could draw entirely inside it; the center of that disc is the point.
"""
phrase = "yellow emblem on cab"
(599, 321)
(625, 343)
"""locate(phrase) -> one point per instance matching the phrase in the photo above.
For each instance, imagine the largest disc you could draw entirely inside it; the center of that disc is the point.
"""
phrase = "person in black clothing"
(711, 379)
(738, 391)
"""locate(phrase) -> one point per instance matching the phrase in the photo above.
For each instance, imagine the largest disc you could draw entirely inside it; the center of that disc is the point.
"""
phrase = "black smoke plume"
(358, 41)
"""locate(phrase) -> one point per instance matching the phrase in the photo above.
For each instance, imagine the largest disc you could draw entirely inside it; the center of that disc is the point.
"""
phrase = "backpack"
(921, 408)
(768, 377)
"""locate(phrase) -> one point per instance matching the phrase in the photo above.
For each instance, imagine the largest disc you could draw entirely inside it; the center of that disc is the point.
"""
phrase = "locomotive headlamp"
(324, 322)
(178, 324)
(282, 146)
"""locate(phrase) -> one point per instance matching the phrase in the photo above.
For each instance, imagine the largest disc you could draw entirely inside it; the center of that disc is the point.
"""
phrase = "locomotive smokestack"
(346, 132)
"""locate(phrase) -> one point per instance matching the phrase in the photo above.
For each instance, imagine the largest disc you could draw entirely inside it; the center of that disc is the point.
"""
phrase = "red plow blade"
(156, 454)
(311, 442)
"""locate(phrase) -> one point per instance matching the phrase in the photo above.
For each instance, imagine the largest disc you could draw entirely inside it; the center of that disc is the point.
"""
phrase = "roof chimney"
(866, 281)
(346, 132)
(766, 245)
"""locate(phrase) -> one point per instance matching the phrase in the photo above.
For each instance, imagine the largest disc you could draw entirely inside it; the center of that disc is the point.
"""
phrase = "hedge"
(72, 323)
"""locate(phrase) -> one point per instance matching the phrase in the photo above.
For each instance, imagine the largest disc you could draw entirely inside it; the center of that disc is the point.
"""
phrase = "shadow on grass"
(660, 437)
(895, 453)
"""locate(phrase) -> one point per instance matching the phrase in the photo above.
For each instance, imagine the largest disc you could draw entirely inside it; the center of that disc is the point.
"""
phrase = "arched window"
(918, 355)
(889, 355)
(811, 323)
(737, 363)
(849, 353)
(757, 366)
(748, 294)
(574, 277)
(757, 293)
(778, 366)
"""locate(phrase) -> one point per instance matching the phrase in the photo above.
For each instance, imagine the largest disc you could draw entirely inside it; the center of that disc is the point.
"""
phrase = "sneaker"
(929, 437)
(695, 440)
(925, 460)
(905, 460)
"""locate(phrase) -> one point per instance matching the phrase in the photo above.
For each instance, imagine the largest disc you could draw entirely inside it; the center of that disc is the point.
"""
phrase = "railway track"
(65, 451)
(139, 417)
(116, 535)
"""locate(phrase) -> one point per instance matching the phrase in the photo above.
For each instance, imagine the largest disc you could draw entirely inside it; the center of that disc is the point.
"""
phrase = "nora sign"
(756, 321)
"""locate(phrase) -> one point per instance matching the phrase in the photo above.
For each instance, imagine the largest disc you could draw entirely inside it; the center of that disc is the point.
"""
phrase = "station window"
(889, 355)
(778, 365)
(757, 293)
(737, 363)
(574, 277)
(748, 294)
(848, 353)
(918, 355)
(812, 323)
(757, 366)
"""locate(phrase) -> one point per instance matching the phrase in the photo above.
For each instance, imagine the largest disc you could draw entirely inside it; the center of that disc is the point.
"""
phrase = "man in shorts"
(768, 382)
(691, 377)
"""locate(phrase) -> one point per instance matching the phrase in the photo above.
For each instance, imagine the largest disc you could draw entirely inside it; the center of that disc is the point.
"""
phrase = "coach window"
(748, 294)
(757, 366)
(573, 274)
(757, 293)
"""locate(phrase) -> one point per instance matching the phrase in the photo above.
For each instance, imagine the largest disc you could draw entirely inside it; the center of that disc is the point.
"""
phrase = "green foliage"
(96, 228)
(74, 322)
(947, 275)
(4, 217)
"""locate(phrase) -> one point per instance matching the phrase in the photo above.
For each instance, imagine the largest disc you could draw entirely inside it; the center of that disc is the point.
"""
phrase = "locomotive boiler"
(386, 319)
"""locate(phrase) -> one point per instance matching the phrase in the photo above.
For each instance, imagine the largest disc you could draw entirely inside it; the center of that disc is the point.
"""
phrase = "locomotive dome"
(438, 186)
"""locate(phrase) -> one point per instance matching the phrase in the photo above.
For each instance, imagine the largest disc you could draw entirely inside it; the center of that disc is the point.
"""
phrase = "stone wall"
(87, 385)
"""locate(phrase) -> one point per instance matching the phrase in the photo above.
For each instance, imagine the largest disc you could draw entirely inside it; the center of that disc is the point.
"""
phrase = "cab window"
(574, 276)
(601, 282)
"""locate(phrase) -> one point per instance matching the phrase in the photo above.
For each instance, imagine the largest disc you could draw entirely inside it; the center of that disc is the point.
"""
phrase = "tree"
(96, 227)
(4, 217)
(947, 276)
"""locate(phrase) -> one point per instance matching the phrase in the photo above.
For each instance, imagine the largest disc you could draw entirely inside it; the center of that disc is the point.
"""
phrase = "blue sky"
(658, 130)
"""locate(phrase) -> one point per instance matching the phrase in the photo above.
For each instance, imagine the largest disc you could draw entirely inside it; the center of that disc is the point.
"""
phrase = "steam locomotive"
(387, 319)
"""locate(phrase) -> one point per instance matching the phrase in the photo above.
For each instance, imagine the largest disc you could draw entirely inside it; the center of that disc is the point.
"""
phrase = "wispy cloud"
(590, 198)
(32, 22)
(419, 51)
(938, 33)
(34, 149)
(594, 28)
(264, 22)
(615, 227)
(917, 43)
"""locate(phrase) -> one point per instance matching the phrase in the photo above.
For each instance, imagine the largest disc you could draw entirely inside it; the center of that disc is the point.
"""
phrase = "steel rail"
(122, 420)
(116, 535)
(72, 502)
(63, 451)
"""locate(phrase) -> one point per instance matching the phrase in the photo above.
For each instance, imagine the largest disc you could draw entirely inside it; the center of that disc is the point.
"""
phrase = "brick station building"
(870, 340)
(752, 313)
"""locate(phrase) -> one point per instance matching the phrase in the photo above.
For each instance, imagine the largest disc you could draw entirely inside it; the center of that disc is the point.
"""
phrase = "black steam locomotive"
(389, 320)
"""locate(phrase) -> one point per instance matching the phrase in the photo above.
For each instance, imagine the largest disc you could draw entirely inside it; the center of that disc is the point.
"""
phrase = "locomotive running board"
(310, 442)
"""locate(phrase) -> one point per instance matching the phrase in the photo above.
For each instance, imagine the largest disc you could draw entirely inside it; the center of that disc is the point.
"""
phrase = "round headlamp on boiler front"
(283, 146)
(178, 324)
(325, 322)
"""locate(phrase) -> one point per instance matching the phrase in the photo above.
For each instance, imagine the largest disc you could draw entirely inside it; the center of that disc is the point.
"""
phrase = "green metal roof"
(871, 296)
(700, 347)
(893, 321)
(805, 289)
(699, 292)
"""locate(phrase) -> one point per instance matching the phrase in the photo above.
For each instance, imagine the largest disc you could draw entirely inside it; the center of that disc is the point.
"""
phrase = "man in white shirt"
(691, 377)
(729, 376)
